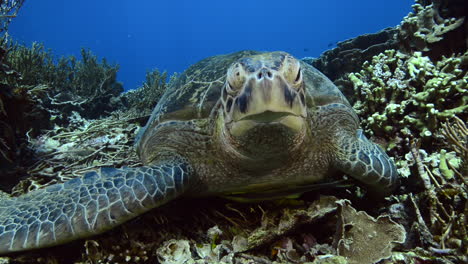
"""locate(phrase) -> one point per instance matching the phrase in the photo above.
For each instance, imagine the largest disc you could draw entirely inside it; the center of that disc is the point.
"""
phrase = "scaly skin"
(93, 204)
(368, 163)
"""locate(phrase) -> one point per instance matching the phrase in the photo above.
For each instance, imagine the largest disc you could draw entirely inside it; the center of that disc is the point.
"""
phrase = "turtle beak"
(267, 100)
(267, 116)
(267, 97)
(290, 122)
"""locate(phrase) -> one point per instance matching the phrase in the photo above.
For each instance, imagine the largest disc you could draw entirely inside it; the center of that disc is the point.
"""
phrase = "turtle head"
(263, 103)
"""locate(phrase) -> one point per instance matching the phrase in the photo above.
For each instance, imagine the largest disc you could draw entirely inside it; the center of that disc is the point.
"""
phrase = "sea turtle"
(246, 125)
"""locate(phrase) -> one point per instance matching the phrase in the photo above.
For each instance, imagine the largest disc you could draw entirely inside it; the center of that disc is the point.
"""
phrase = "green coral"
(428, 25)
(403, 94)
(439, 163)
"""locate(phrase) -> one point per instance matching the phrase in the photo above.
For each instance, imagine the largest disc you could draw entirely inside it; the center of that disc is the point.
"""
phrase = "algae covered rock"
(350, 54)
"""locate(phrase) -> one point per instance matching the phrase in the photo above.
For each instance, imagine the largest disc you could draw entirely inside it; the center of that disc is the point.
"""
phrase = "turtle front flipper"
(86, 206)
(367, 162)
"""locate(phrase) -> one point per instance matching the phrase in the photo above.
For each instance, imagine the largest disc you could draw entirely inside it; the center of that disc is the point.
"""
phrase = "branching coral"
(8, 10)
(456, 132)
(86, 86)
(425, 26)
(143, 99)
(435, 222)
(428, 28)
(407, 95)
(419, 105)
(350, 54)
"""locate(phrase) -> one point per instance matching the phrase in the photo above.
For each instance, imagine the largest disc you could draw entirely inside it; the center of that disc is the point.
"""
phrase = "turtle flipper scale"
(86, 206)
(367, 162)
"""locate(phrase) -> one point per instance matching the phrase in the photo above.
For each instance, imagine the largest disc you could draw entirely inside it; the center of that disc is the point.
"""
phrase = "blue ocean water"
(171, 35)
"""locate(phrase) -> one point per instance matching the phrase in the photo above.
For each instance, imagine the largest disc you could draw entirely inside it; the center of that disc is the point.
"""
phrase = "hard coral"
(88, 87)
(349, 55)
(143, 99)
(436, 28)
(405, 95)
(8, 10)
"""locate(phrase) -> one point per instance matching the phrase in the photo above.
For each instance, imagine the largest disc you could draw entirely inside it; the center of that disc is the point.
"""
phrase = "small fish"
(331, 44)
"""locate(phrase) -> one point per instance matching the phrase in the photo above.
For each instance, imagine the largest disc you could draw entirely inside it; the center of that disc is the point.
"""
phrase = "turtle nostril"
(264, 73)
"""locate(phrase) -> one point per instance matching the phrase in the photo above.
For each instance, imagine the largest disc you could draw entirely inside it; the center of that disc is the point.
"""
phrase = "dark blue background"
(141, 35)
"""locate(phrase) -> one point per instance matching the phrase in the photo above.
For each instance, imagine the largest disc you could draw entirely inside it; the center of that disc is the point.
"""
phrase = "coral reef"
(414, 101)
(20, 117)
(350, 54)
(363, 239)
(8, 10)
(189, 232)
(418, 94)
(86, 86)
(411, 96)
(437, 28)
(142, 100)
(38, 94)
(81, 146)
(407, 103)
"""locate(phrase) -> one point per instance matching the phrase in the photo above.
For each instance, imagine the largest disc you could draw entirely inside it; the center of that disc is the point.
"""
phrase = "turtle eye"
(235, 79)
(292, 71)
